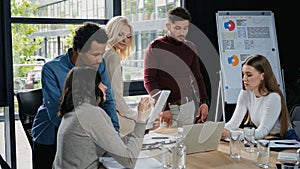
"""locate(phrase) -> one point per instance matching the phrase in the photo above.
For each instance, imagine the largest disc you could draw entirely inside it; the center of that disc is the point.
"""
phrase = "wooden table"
(220, 159)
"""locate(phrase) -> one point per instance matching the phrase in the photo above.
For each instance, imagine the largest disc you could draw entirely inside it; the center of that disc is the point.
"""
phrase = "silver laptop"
(203, 137)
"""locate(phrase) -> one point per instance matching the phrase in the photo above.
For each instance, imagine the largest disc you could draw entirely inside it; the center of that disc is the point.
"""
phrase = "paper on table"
(153, 137)
(287, 156)
(146, 160)
(145, 163)
(284, 144)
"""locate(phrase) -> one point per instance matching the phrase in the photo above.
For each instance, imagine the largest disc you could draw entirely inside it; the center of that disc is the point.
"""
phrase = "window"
(42, 30)
(54, 39)
(139, 11)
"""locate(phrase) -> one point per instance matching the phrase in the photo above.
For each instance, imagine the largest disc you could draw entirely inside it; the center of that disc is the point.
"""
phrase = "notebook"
(203, 137)
(159, 106)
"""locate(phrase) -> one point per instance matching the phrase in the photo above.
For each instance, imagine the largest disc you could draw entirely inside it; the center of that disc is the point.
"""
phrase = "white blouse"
(264, 112)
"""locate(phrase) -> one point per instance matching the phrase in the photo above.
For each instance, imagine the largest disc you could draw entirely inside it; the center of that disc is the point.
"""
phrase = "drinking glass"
(235, 143)
(249, 140)
(263, 153)
(168, 151)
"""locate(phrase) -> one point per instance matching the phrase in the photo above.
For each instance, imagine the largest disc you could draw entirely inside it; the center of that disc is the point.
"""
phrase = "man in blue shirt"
(89, 44)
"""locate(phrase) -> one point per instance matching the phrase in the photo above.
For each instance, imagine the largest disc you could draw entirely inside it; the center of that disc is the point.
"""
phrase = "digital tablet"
(158, 107)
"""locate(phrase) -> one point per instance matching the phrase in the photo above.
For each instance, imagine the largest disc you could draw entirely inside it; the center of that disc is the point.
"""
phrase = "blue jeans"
(290, 134)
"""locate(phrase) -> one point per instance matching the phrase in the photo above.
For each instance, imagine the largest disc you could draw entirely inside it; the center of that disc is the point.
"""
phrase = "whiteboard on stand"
(242, 34)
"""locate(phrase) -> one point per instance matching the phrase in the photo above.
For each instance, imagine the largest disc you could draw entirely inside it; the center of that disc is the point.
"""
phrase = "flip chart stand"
(220, 94)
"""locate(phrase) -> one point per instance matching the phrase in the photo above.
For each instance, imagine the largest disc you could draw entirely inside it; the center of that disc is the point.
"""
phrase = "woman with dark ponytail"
(86, 131)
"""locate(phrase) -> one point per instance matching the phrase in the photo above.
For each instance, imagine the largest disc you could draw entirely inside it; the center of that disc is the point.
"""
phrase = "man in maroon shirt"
(171, 63)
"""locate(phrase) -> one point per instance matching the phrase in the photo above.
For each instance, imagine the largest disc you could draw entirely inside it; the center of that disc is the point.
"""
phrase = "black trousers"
(43, 156)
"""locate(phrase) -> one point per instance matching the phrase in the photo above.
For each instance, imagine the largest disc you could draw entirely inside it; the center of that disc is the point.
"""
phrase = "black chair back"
(29, 102)
(3, 163)
(295, 112)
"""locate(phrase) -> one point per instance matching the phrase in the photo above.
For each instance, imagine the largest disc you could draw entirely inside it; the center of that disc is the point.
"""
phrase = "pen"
(160, 137)
(285, 143)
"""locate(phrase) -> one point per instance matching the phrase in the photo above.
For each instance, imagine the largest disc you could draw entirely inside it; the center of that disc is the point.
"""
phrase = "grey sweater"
(86, 133)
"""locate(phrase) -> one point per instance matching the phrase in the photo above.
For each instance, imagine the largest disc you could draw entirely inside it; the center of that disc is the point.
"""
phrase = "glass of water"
(263, 153)
(235, 143)
(249, 140)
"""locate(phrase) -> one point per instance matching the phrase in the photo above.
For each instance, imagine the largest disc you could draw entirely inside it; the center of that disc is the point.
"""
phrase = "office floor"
(22, 146)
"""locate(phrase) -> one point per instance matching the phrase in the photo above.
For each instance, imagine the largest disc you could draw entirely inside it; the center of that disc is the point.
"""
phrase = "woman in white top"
(120, 44)
(86, 131)
(262, 98)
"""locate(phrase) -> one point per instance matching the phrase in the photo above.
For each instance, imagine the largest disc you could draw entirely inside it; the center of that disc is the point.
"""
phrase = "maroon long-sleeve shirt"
(173, 65)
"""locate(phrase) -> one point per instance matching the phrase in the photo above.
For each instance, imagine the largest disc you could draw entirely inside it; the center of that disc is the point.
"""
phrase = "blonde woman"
(120, 44)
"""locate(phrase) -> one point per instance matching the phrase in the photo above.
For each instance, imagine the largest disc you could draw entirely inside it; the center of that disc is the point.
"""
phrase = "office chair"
(29, 102)
(295, 112)
(295, 118)
(3, 163)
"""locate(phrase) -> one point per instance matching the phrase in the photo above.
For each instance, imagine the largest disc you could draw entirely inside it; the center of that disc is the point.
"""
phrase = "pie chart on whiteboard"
(230, 25)
(233, 60)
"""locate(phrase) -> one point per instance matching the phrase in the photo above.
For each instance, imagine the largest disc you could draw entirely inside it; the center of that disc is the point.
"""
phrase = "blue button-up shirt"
(54, 74)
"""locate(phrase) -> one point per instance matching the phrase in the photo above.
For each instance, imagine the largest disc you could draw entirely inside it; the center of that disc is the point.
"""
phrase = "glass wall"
(147, 16)
(46, 40)
(32, 51)
(83, 9)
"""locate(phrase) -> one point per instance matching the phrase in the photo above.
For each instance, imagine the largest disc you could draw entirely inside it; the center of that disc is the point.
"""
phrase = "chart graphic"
(233, 60)
(230, 25)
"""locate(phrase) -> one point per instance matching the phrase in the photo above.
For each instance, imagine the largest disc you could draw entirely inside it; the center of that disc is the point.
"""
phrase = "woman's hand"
(225, 134)
(166, 116)
(144, 108)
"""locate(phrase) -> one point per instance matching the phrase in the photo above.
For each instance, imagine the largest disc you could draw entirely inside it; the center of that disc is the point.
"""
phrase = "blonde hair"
(113, 28)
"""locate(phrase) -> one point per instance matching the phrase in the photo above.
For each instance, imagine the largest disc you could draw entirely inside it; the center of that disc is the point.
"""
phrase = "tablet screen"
(158, 107)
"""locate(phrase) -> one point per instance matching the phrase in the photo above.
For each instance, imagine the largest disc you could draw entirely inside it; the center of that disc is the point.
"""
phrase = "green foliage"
(22, 44)
(127, 76)
(133, 7)
(22, 8)
(148, 8)
(69, 39)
